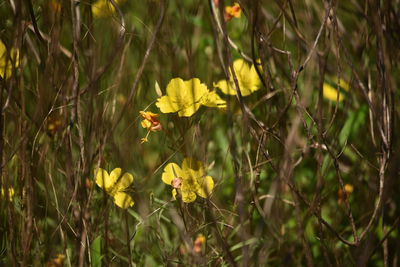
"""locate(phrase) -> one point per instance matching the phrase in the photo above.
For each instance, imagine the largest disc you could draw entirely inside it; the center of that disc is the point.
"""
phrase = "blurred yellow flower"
(58, 261)
(186, 97)
(232, 12)
(103, 8)
(7, 60)
(348, 188)
(11, 193)
(55, 5)
(247, 77)
(189, 181)
(330, 91)
(115, 185)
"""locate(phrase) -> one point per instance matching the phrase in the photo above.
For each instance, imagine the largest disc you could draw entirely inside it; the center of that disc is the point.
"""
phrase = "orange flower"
(53, 124)
(88, 184)
(232, 12)
(55, 6)
(198, 243)
(348, 188)
(150, 121)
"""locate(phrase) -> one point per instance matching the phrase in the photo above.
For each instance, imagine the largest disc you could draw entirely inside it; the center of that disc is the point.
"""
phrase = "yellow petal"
(194, 171)
(206, 185)
(146, 124)
(226, 87)
(103, 179)
(213, 100)
(186, 92)
(247, 77)
(191, 163)
(7, 61)
(3, 60)
(335, 81)
(114, 182)
(193, 93)
(177, 91)
(254, 79)
(183, 97)
(331, 93)
(2, 49)
(123, 200)
(3, 54)
(174, 193)
(167, 105)
(189, 110)
(123, 181)
(188, 196)
(102, 8)
(241, 67)
(195, 90)
(11, 193)
(343, 84)
(171, 171)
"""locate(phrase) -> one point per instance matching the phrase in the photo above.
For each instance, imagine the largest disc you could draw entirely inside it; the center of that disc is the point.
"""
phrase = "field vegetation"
(199, 133)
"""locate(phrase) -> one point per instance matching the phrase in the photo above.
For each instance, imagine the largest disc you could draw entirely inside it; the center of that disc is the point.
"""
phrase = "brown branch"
(143, 64)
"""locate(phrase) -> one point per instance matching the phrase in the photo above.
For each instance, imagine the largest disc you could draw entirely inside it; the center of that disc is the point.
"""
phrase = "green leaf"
(246, 243)
(346, 130)
(326, 164)
(95, 251)
(353, 124)
(150, 261)
(360, 118)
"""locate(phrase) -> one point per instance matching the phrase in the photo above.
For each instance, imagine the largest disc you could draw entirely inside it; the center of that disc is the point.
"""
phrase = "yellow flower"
(7, 61)
(189, 181)
(232, 12)
(247, 77)
(58, 261)
(103, 8)
(11, 193)
(186, 97)
(330, 89)
(115, 185)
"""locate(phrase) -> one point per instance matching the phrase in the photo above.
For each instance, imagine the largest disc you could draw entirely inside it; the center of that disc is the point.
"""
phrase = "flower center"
(176, 182)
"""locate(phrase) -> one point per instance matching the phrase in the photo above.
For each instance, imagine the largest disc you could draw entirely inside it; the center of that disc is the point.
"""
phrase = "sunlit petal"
(123, 200)
(171, 171)
(206, 185)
